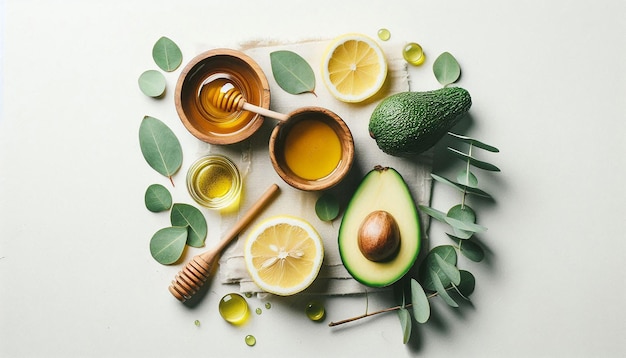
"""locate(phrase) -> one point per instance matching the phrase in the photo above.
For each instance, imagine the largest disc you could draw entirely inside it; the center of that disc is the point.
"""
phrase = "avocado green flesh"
(381, 189)
(409, 123)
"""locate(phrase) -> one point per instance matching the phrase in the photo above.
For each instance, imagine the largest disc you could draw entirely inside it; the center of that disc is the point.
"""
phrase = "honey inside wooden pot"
(209, 72)
(313, 149)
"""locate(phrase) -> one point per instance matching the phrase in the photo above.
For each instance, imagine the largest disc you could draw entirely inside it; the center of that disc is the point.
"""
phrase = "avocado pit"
(379, 236)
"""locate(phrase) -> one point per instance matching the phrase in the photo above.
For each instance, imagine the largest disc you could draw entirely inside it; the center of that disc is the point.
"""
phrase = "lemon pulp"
(354, 68)
(283, 255)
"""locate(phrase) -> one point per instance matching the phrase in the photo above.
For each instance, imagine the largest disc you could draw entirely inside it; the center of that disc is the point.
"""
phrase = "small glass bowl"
(214, 181)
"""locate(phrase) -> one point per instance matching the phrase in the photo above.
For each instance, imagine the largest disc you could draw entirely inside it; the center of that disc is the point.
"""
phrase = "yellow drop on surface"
(283, 255)
(354, 68)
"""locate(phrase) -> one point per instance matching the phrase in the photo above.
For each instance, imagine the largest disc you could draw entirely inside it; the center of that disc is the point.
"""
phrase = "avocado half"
(381, 189)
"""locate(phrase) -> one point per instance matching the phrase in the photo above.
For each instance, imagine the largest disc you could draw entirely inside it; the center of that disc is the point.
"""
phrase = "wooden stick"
(195, 273)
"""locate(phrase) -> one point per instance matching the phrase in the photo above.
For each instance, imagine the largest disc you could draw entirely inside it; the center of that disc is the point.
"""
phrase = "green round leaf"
(446, 69)
(468, 178)
(152, 83)
(157, 198)
(160, 147)
(167, 54)
(463, 213)
(459, 217)
(190, 217)
(167, 244)
(430, 263)
(472, 250)
(291, 72)
(467, 285)
(421, 306)
(327, 207)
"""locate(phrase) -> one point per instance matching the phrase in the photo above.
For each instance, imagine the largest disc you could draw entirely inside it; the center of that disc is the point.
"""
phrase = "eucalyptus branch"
(369, 314)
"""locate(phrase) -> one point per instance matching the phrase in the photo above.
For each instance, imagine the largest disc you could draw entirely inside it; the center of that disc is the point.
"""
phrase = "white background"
(549, 89)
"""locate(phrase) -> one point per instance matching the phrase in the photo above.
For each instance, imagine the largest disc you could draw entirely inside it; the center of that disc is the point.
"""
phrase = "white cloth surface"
(252, 159)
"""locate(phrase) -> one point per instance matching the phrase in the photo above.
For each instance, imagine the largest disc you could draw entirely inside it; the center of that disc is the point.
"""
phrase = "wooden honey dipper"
(230, 99)
(189, 280)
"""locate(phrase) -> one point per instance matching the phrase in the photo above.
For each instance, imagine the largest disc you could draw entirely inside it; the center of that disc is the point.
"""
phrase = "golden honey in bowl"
(208, 74)
(312, 149)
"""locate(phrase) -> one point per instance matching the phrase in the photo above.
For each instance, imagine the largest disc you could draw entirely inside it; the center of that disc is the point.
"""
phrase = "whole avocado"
(409, 123)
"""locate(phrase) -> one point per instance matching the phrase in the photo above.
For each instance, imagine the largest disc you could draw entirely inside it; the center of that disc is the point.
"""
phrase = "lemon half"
(283, 255)
(354, 68)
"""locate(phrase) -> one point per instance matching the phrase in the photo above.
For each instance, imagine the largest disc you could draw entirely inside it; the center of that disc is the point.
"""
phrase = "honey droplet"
(315, 311)
(234, 308)
(268, 305)
(250, 340)
(197, 323)
(384, 34)
(258, 311)
(413, 54)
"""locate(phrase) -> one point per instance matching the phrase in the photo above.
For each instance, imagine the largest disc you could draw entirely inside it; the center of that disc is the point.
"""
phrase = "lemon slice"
(354, 68)
(283, 255)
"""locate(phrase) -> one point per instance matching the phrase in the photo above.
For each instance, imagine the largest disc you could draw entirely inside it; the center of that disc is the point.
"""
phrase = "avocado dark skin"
(407, 124)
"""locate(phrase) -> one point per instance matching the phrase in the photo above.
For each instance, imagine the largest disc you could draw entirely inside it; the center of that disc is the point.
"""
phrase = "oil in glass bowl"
(214, 182)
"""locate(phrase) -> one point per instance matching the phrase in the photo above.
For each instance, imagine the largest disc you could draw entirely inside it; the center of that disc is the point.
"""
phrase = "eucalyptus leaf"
(167, 54)
(441, 290)
(445, 252)
(468, 178)
(327, 207)
(292, 73)
(473, 161)
(446, 69)
(167, 244)
(463, 213)
(152, 83)
(472, 250)
(461, 225)
(460, 187)
(421, 306)
(190, 217)
(405, 323)
(158, 198)
(449, 270)
(468, 283)
(475, 142)
(160, 147)
(459, 234)
(434, 213)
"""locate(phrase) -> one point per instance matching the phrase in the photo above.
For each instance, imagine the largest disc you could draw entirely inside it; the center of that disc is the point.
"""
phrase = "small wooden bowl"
(278, 147)
(193, 105)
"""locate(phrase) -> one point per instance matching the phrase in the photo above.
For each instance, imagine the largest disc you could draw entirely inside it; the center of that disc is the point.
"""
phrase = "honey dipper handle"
(264, 112)
(252, 212)
(197, 270)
